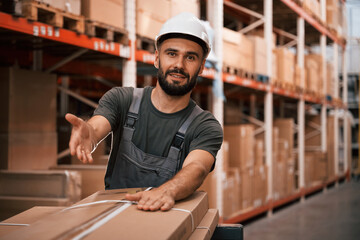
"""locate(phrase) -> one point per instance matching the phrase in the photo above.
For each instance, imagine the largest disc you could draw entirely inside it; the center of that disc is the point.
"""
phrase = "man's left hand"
(153, 200)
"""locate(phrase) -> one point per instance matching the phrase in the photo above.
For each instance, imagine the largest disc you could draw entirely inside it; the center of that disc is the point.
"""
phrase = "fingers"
(74, 120)
(83, 155)
(151, 201)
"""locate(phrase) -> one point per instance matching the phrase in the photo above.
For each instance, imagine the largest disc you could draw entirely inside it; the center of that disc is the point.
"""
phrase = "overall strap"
(133, 113)
(180, 135)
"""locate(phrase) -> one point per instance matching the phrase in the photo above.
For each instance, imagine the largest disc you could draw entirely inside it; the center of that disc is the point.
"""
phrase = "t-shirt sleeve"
(114, 105)
(208, 135)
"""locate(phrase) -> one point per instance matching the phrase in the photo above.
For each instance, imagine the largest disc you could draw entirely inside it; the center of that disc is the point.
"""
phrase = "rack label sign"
(45, 31)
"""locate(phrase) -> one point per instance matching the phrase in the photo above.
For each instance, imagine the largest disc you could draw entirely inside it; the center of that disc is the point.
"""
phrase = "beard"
(172, 89)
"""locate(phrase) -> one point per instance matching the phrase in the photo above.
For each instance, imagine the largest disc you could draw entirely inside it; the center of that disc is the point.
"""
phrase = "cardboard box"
(179, 6)
(238, 50)
(207, 226)
(28, 151)
(332, 13)
(241, 144)
(260, 185)
(279, 178)
(92, 177)
(231, 193)
(71, 6)
(124, 220)
(309, 169)
(290, 179)
(314, 73)
(286, 132)
(27, 100)
(247, 183)
(299, 74)
(47, 184)
(330, 81)
(27, 217)
(150, 16)
(259, 54)
(259, 152)
(274, 68)
(110, 12)
(285, 66)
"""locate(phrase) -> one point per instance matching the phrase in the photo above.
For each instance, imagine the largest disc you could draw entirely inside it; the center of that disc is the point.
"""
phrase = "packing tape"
(209, 232)
(98, 202)
(102, 222)
(14, 224)
(187, 211)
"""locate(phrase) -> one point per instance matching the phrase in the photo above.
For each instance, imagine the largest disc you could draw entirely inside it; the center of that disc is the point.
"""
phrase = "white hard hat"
(188, 25)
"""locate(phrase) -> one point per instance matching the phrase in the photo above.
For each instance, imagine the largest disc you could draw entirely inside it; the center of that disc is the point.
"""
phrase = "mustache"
(178, 71)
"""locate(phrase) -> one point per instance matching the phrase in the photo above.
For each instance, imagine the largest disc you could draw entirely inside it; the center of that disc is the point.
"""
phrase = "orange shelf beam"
(322, 29)
(42, 30)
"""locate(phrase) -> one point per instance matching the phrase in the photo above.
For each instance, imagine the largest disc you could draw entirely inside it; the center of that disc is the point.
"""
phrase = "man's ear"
(156, 62)
(202, 66)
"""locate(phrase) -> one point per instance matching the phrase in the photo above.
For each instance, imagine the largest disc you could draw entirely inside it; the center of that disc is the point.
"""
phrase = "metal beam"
(252, 26)
(242, 9)
(66, 60)
(78, 97)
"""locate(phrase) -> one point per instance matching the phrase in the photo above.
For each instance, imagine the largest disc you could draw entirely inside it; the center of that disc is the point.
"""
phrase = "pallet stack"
(314, 74)
(285, 60)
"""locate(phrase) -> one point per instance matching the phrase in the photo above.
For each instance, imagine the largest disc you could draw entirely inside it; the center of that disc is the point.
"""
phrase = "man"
(161, 138)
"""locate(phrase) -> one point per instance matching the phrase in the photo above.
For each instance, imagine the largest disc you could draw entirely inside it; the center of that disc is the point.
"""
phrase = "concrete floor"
(332, 215)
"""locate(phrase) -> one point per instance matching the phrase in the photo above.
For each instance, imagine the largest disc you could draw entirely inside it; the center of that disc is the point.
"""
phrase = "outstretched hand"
(156, 199)
(81, 141)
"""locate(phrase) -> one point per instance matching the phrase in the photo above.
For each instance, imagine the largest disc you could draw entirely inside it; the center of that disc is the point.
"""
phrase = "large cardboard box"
(309, 168)
(279, 178)
(260, 185)
(92, 177)
(332, 14)
(285, 66)
(120, 220)
(259, 152)
(314, 73)
(27, 101)
(286, 132)
(299, 73)
(150, 16)
(28, 151)
(259, 54)
(232, 193)
(71, 6)
(207, 226)
(111, 12)
(247, 186)
(238, 50)
(27, 217)
(21, 190)
(241, 144)
(330, 81)
(290, 179)
(179, 6)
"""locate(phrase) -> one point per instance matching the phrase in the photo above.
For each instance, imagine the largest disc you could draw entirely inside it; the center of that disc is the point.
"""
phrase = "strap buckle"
(131, 119)
(178, 140)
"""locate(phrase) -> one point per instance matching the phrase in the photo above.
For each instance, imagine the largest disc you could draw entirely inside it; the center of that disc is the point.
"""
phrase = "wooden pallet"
(40, 12)
(145, 43)
(239, 72)
(105, 31)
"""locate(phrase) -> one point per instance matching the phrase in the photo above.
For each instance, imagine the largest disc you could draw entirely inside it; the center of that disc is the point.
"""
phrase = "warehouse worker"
(161, 138)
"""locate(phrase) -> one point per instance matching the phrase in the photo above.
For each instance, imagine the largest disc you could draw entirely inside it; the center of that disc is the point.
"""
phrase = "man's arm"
(86, 135)
(196, 167)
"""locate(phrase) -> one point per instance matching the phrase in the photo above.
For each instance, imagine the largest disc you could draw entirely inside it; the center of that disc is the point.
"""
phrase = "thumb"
(133, 197)
(74, 120)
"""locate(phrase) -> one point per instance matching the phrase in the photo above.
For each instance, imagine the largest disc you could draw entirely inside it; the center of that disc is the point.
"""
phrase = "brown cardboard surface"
(20, 91)
(92, 177)
(147, 26)
(178, 6)
(207, 226)
(72, 6)
(28, 151)
(260, 185)
(241, 139)
(259, 152)
(259, 54)
(47, 184)
(27, 217)
(247, 183)
(231, 192)
(172, 224)
(110, 12)
(285, 65)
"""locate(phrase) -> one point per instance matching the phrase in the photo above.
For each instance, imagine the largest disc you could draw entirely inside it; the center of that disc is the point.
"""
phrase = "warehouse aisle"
(332, 215)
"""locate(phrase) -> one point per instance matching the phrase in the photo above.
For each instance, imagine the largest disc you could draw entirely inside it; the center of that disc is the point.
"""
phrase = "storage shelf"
(313, 22)
(42, 30)
(253, 212)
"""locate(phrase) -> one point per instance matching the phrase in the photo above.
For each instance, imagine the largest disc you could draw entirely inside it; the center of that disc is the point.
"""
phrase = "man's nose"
(179, 62)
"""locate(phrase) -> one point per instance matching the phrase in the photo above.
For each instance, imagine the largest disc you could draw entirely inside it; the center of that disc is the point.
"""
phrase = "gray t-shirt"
(155, 130)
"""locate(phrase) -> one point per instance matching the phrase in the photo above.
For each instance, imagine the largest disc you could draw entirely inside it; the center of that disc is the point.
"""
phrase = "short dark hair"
(184, 36)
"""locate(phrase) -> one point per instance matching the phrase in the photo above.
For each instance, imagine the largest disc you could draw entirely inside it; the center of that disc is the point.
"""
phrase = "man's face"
(179, 61)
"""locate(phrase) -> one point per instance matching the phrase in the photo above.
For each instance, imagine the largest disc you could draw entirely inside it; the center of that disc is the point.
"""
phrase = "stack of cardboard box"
(330, 81)
(285, 67)
(71, 6)
(313, 6)
(105, 215)
(28, 138)
(314, 73)
(238, 51)
(151, 15)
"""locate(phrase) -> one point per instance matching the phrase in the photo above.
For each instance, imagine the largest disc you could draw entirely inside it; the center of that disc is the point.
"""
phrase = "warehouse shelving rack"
(215, 10)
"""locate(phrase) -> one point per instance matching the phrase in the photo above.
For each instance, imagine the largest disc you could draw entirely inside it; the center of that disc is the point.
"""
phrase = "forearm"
(186, 181)
(99, 128)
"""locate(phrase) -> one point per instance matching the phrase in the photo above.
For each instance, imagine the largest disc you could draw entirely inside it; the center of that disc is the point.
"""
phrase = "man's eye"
(191, 57)
(172, 54)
